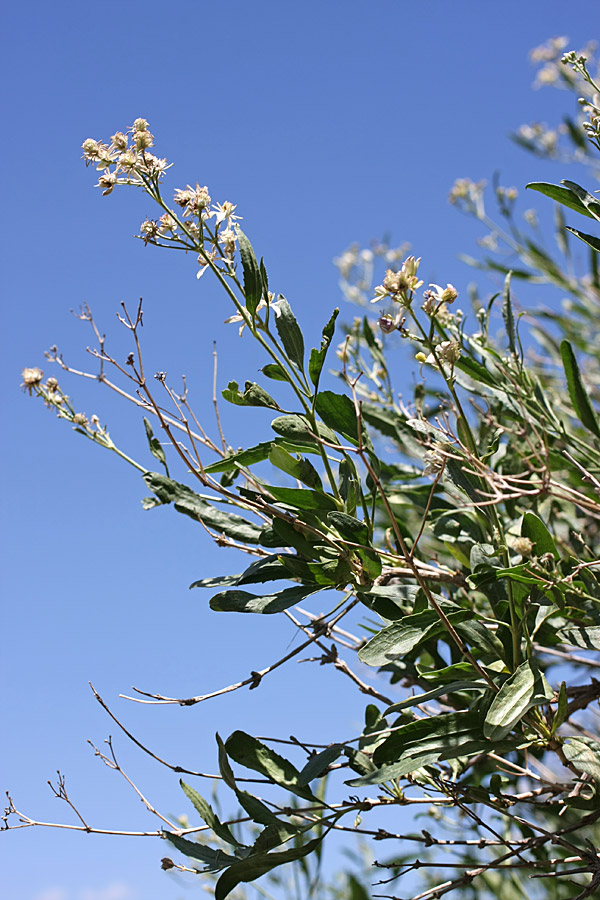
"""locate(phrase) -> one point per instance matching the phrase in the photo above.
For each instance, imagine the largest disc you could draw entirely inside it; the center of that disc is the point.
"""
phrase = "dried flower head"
(90, 149)
(149, 230)
(140, 125)
(444, 295)
(523, 546)
(107, 182)
(143, 140)
(448, 351)
(80, 419)
(119, 141)
(32, 377)
(51, 384)
(435, 460)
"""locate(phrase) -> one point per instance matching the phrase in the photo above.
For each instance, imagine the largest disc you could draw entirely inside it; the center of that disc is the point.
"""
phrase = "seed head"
(119, 141)
(80, 419)
(143, 140)
(32, 377)
(523, 546)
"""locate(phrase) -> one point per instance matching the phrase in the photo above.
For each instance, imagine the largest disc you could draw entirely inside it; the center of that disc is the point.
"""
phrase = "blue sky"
(326, 123)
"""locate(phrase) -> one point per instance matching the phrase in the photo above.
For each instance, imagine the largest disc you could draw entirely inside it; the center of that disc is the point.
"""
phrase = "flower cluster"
(356, 266)
(126, 159)
(401, 284)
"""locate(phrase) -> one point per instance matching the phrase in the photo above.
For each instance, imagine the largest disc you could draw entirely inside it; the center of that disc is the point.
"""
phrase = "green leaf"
(242, 601)
(242, 458)
(449, 735)
(208, 815)
(533, 528)
(476, 371)
(349, 528)
(297, 467)
(589, 239)
(562, 708)
(252, 868)
(275, 371)
(299, 498)
(253, 284)
(213, 859)
(508, 316)
(317, 765)
(297, 429)
(197, 508)
(396, 770)
(338, 413)
(289, 330)
(483, 642)
(577, 392)
(442, 691)
(588, 637)
(526, 688)
(216, 581)
(253, 395)
(253, 754)
(155, 446)
(561, 195)
(398, 639)
(317, 357)
(584, 753)
(591, 203)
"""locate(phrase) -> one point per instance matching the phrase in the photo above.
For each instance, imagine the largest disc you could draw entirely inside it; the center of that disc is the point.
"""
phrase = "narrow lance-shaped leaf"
(253, 282)
(244, 458)
(214, 860)
(526, 688)
(588, 239)
(317, 764)
(252, 868)
(508, 316)
(561, 195)
(577, 392)
(289, 330)
(201, 510)
(155, 446)
(210, 817)
(317, 357)
(591, 203)
(242, 601)
(253, 395)
(248, 751)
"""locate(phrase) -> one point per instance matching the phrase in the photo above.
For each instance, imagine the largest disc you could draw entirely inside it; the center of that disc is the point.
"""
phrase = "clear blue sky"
(326, 122)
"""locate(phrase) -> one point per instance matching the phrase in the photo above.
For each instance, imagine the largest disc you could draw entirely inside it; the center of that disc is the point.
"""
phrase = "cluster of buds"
(400, 285)
(126, 159)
